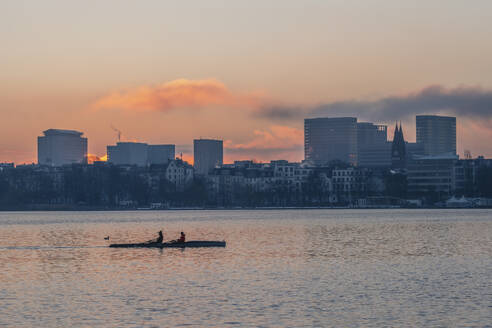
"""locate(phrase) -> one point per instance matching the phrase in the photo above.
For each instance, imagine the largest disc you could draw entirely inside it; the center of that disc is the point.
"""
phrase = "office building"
(160, 154)
(373, 148)
(437, 134)
(128, 153)
(207, 154)
(431, 174)
(61, 147)
(414, 149)
(328, 139)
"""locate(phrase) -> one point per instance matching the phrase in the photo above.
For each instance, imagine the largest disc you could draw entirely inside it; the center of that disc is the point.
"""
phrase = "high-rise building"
(128, 153)
(60, 147)
(207, 154)
(160, 154)
(437, 134)
(328, 139)
(373, 148)
(139, 153)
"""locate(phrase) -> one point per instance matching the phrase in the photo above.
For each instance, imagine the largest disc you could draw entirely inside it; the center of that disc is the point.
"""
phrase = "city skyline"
(169, 73)
(367, 139)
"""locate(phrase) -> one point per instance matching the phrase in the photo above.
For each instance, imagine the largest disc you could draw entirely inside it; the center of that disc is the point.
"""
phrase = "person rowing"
(181, 239)
(158, 240)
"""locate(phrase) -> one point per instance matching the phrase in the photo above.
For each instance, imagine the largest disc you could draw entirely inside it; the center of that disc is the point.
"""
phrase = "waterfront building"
(328, 139)
(179, 173)
(431, 174)
(437, 134)
(350, 180)
(274, 180)
(207, 154)
(60, 147)
(7, 165)
(466, 175)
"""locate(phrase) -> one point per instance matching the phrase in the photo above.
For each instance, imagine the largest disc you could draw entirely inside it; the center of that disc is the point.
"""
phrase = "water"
(286, 268)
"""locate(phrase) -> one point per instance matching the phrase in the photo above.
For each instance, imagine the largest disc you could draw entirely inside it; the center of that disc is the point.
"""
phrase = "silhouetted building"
(432, 175)
(160, 154)
(61, 147)
(398, 149)
(139, 153)
(128, 153)
(414, 149)
(179, 174)
(373, 148)
(6, 166)
(437, 134)
(207, 154)
(328, 139)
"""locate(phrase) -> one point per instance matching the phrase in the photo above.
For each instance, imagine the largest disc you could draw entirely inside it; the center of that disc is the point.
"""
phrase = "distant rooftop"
(332, 118)
(434, 116)
(130, 143)
(440, 156)
(207, 139)
(51, 132)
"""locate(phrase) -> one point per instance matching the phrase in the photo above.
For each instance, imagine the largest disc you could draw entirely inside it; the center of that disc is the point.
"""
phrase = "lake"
(281, 268)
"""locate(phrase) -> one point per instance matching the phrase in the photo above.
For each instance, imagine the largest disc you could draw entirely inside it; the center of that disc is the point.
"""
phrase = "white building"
(61, 147)
(207, 154)
(350, 180)
(179, 173)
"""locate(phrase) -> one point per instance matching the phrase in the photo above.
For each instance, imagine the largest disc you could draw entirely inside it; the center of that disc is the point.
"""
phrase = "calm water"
(343, 268)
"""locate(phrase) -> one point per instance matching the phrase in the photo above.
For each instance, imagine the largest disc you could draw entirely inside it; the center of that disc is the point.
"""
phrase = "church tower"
(398, 149)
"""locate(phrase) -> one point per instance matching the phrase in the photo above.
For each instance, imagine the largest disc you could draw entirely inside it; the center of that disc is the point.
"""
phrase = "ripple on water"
(346, 268)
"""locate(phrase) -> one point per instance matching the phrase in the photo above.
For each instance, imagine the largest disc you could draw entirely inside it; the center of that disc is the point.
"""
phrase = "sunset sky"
(247, 72)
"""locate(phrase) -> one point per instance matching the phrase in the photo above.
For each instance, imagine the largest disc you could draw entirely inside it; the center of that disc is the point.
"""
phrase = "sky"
(247, 72)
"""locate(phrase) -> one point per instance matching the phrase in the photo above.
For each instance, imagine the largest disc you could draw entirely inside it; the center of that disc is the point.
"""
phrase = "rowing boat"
(191, 243)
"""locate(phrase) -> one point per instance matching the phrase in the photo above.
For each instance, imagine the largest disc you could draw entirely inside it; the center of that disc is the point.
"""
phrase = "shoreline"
(98, 209)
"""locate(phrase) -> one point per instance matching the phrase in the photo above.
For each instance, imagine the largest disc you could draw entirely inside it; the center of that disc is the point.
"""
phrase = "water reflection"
(280, 268)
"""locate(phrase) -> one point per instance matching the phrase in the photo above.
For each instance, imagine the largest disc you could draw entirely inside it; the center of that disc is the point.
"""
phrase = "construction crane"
(117, 131)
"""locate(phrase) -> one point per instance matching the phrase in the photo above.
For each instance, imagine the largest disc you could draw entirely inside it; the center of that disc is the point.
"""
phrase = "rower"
(182, 238)
(160, 238)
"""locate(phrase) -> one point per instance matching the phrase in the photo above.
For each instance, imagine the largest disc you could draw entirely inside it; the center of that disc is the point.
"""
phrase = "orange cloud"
(278, 142)
(181, 93)
(279, 137)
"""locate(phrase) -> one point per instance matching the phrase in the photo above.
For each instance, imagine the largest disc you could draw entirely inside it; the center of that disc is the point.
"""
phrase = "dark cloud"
(184, 148)
(280, 112)
(469, 102)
